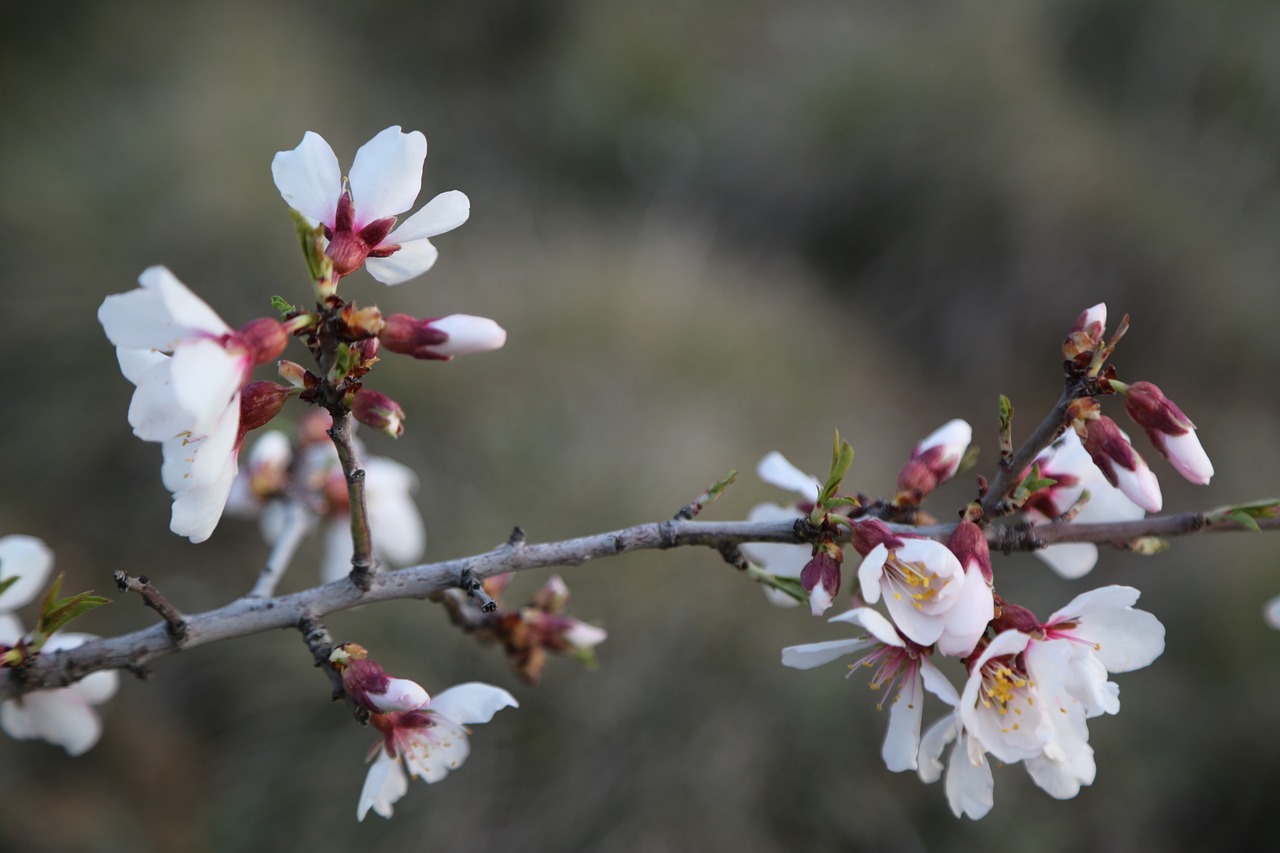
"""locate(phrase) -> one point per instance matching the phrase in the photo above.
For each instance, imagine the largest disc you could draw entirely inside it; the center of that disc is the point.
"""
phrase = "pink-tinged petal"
(54, 716)
(1188, 457)
(1140, 486)
(411, 260)
(1071, 560)
(775, 470)
(869, 572)
(386, 176)
(30, 561)
(443, 213)
(816, 654)
(384, 785)
(468, 334)
(205, 377)
(430, 753)
(472, 703)
(401, 695)
(902, 740)
(876, 625)
(309, 178)
(969, 785)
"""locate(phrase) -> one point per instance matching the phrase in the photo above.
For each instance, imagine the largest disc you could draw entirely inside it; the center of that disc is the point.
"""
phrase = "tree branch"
(248, 616)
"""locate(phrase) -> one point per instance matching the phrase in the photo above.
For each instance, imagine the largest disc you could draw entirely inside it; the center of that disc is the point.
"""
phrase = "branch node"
(175, 623)
(472, 586)
(517, 538)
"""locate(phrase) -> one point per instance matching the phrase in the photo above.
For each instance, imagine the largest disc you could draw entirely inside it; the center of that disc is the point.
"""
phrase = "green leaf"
(8, 582)
(56, 612)
(1246, 514)
(841, 462)
(344, 361)
(789, 586)
(279, 303)
(720, 485)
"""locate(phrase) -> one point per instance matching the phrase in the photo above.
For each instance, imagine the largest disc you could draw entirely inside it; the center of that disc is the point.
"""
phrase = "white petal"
(935, 739)
(443, 213)
(154, 412)
(10, 629)
(869, 572)
(411, 260)
(191, 314)
(431, 752)
(472, 702)
(1271, 613)
(1140, 486)
(338, 551)
(55, 716)
(816, 654)
(205, 378)
(581, 635)
(777, 558)
(778, 598)
(1125, 640)
(387, 174)
(468, 334)
(938, 684)
(775, 470)
(954, 435)
(902, 740)
(1071, 560)
(384, 785)
(398, 532)
(309, 178)
(968, 617)
(28, 559)
(401, 695)
(970, 786)
(1186, 454)
(879, 627)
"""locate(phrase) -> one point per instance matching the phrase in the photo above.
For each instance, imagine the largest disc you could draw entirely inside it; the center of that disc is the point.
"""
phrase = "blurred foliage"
(711, 230)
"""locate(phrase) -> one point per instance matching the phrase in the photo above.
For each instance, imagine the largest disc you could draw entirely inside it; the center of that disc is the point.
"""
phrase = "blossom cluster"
(1029, 686)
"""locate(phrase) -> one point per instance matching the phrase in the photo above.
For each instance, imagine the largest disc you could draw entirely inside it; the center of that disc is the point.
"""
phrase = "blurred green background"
(711, 230)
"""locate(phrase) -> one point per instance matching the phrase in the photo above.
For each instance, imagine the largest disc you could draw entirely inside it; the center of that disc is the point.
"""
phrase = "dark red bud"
(872, 532)
(1154, 412)
(259, 403)
(969, 544)
(264, 338)
(411, 336)
(1014, 617)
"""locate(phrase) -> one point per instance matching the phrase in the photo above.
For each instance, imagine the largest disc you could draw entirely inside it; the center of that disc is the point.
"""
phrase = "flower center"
(915, 580)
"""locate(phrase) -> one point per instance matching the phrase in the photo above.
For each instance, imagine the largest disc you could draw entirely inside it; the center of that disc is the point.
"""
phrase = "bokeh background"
(711, 230)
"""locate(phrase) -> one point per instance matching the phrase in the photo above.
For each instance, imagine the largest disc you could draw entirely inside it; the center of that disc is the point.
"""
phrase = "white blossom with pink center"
(922, 584)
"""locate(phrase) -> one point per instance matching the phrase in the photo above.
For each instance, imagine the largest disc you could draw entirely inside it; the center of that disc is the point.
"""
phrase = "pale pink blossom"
(425, 743)
(896, 661)
(1172, 432)
(441, 338)
(935, 459)
(359, 217)
(1115, 457)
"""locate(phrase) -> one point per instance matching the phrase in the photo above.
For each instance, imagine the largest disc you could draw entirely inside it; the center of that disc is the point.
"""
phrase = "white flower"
(394, 521)
(922, 583)
(427, 742)
(895, 660)
(188, 401)
(778, 558)
(384, 181)
(62, 716)
(1069, 464)
(935, 460)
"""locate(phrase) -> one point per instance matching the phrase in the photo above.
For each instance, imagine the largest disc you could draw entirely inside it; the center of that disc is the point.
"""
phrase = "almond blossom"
(779, 558)
(441, 338)
(359, 214)
(188, 367)
(1115, 457)
(934, 460)
(896, 661)
(63, 716)
(1172, 432)
(1069, 465)
(426, 742)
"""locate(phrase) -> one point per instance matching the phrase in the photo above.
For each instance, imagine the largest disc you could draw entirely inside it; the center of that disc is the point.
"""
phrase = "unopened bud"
(259, 403)
(1110, 450)
(362, 322)
(1086, 335)
(934, 460)
(295, 374)
(553, 597)
(379, 411)
(969, 544)
(872, 532)
(1014, 617)
(1169, 429)
(264, 338)
(441, 338)
(821, 576)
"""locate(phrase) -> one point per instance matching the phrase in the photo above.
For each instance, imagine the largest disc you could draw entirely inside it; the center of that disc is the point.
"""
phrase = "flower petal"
(56, 716)
(443, 213)
(384, 784)
(205, 377)
(411, 260)
(309, 178)
(816, 654)
(775, 470)
(30, 561)
(386, 176)
(472, 702)
(902, 740)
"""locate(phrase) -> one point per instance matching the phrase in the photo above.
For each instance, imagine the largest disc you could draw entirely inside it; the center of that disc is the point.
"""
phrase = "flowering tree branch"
(254, 615)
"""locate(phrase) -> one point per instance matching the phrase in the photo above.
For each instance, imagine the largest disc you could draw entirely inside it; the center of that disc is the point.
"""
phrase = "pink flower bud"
(1086, 335)
(1169, 429)
(934, 460)
(821, 577)
(969, 544)
(296, 375)
(441, 338)
(379, 411)
(264, 339)
(369, 686)
(872, 532)
(1015, 617)
(553, 597)
(1115, 457)
(259, 403)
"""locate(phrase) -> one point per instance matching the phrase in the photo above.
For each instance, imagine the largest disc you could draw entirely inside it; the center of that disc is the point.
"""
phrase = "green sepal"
(319, 265)
(789, 586)
(841, 461)
(1030, 484)
(345, 359)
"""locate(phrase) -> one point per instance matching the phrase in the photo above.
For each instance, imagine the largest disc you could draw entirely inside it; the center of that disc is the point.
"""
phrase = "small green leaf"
(279, 303)
(841, 462)
(56, 612)
(789, 586)
(1246, 514)
(344, 361)
(7, 582)
(719, 486)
